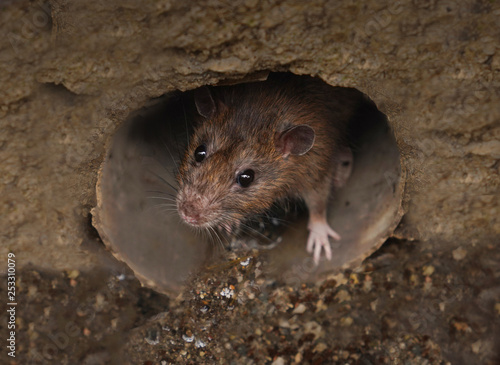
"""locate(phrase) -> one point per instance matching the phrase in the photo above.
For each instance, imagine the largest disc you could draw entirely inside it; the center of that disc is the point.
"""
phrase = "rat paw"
(318, 240)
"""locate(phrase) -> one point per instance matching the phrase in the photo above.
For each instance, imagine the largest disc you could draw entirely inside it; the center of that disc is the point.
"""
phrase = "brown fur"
(242, 133)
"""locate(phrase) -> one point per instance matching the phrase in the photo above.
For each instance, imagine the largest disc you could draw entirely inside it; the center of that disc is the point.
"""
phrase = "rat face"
(237, 163)
(224, 180)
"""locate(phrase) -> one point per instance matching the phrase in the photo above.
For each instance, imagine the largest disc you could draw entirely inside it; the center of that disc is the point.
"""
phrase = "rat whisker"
(161, 198)
(243, 226)
(186, 123)
(174, 161)
(211, 229)
(211, 237)
(164, 180)
(161, 192)
(167, 212)
(251, 230)
(151, 163)
(159, 206)
(168, 207)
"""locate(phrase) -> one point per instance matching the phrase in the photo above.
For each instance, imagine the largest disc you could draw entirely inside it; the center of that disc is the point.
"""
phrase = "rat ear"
(296, 140)
(205, 104)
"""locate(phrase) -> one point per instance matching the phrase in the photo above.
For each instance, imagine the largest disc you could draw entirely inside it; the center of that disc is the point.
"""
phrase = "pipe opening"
(138, 219)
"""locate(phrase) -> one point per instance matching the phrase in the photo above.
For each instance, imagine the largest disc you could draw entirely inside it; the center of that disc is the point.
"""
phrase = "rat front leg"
(319, 229)
(316, 201)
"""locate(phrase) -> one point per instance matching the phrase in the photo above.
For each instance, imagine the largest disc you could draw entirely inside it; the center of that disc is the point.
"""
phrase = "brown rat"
(261, 142)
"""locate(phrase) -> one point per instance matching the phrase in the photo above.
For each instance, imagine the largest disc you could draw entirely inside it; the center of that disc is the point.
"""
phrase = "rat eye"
(200, 153)
(245, 178)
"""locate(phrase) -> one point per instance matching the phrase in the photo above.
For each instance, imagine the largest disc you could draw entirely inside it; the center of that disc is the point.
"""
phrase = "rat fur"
(289, 130)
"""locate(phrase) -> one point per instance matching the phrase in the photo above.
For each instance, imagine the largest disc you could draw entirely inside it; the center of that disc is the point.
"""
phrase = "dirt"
(405, 305)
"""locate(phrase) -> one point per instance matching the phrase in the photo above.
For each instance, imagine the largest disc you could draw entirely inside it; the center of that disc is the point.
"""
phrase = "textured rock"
(71, 72)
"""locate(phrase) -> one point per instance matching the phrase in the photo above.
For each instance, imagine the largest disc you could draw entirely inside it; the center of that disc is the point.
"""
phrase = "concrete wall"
(71, 71)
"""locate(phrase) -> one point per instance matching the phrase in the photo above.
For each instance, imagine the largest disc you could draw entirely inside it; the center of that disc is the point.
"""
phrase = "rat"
(258, 143)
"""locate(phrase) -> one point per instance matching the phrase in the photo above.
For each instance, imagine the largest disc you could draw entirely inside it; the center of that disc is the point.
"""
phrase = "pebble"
(459, 254)
(343, 296)
(245, 262)
(188, 338)
(321, 306)
(283, 323)
(314, 328)
(442, 306)
(428, 270)
(346, 321)
(367, 284)
(152, 337)
(461, 326)
(354, 279)
(200, 344)
(414, 279)
(320, 347)
(338, 278)
(227, 292)
(73, 274)
(301, 308)
(279, 361)
(476, 346)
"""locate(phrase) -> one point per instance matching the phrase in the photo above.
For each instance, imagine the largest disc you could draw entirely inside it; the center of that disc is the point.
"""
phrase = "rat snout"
(189, 212)
(193, 209)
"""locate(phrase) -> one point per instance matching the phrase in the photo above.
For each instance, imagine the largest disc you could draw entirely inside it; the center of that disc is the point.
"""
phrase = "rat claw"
(310, 243)
(333, 234)
(317, 252)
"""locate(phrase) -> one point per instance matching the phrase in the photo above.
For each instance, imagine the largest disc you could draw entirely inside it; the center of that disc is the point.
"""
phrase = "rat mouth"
(199, 211)
(198, 218)
(195, 220)
(207, 223)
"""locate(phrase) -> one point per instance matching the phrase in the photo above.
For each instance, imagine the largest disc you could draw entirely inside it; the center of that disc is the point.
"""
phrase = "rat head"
(238, 162)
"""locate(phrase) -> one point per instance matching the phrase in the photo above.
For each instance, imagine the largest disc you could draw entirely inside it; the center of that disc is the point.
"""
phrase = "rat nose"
(191, 211)
(191, 218)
